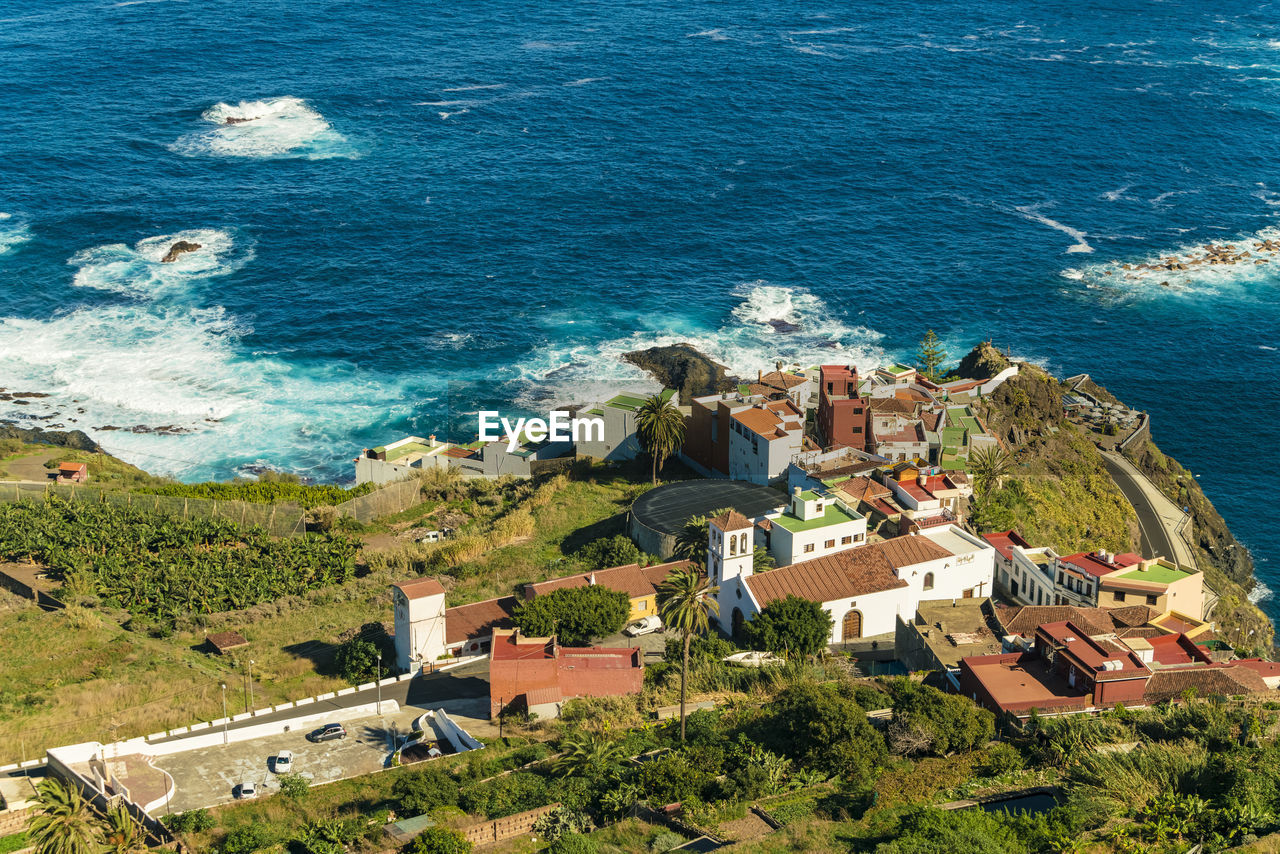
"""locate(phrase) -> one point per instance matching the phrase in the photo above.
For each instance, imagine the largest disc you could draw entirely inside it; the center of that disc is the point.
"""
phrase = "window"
(1151, 599)
(1119, 596)
(928, 581)
(829, 544)
(744, 544)
(857, 538)
(808, 548)
(844, 541)
(733, 545)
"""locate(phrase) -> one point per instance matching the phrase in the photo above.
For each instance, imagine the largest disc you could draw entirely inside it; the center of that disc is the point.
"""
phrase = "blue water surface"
(435, 207)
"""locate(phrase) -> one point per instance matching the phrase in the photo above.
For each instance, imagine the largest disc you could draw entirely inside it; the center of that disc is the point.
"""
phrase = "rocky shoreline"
(684, 368)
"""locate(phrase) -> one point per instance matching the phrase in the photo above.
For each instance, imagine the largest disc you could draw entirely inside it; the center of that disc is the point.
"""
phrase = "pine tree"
(931, 356)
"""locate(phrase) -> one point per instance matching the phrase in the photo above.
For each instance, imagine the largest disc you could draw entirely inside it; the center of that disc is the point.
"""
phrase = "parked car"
(284, 762)
(328, 732)
(247, 789)
(643, 626)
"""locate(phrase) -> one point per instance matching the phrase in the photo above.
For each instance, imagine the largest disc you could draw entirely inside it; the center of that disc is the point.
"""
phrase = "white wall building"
(763, 438)
(816, 523)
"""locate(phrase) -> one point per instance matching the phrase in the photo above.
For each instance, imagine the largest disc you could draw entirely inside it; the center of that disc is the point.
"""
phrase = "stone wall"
(502, 829)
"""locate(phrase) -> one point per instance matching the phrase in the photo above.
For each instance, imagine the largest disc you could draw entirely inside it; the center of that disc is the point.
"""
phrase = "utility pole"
(250, 709)
(502, 709)
(379, 686)
(224, 713)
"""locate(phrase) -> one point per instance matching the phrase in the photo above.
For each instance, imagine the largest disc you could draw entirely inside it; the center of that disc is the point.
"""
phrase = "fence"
(392, 498)
(279, 520)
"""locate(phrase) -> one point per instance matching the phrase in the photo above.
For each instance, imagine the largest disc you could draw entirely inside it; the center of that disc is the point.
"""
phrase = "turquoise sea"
(438, 207)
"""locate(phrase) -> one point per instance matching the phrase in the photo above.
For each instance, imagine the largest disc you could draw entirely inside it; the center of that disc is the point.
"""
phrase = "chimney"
(795, 490)
(759, 376)
(432, 439)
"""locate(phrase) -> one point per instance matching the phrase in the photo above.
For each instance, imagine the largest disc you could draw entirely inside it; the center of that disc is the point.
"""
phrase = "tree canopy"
(574, 615)
(608, 552)
(790, 627)
(931, 356)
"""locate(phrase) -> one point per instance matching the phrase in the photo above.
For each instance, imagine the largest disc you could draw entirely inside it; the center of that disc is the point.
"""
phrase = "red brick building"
(842, 416)
(538, 675)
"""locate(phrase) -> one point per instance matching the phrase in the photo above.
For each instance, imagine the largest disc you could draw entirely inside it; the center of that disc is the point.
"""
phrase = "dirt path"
(29, 468)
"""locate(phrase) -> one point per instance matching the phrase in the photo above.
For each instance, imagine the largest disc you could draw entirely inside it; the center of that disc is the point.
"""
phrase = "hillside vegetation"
(1061, 495)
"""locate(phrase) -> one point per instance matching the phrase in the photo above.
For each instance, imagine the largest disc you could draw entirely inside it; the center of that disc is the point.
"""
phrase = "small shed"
(72, 473)
(224, 642)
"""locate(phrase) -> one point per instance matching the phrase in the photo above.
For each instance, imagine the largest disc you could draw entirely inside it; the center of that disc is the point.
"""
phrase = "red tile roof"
(632, 579)
(1090, 564)
(853, 572)
(1228, 680)
(1004, 541)
(863, 488)
(731, 520)
(478, 620)
(418, 588)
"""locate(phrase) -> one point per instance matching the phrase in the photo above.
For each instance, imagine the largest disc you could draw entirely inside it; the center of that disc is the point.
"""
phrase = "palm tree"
(687, 602)
(591, 755)
(691, 541)
(64, 824)
(124, 834)
(660, 427)
(989, 465)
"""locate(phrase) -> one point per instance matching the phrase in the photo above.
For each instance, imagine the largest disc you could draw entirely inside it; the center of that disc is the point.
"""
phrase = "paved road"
(1158, 517)
(452, 689)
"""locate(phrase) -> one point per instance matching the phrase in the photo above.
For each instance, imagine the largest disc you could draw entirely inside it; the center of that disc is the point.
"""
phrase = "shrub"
(820, 729)
(440, 840)
(927, 721)
(505, 796)
(294, 785)
(357, 660)
(191, 821)
(608, 552)
(423, 791)
(671, 778)
(1000, 759)
(247, 839)
(561, 822)
(572, 843)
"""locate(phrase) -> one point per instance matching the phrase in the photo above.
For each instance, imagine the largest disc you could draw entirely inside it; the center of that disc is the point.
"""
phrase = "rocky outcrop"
(982, 363)
(74, 439)
(682, 367)
(238, 120)
(177, 249)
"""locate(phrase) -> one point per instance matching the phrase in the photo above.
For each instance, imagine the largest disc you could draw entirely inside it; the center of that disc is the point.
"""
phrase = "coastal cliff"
(1061, 495)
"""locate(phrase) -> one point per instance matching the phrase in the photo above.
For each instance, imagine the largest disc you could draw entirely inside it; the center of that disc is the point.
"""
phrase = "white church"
(823, 556)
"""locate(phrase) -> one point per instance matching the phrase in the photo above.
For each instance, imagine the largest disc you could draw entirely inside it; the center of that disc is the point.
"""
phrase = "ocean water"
(433, 208)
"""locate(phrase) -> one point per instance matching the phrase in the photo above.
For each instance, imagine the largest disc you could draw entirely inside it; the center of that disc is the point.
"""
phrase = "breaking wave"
(14, 232)
(1193, 270)
(273, 128)
(770, 323)
(140, 270)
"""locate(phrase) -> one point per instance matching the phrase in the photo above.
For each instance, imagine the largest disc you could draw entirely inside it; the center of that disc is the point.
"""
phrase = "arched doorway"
(852, 627)
(737, 621)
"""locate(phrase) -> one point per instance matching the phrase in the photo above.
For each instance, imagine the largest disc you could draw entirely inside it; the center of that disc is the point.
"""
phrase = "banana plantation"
(162, 566)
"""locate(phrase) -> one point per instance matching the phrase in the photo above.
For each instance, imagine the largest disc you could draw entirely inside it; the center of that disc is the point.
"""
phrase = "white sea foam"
(1148, 277)
(139, 271)
(583, 81)
(14, 232)
(749, 339)
(1032, 212)
(273, 128)
(475, 87)
(1259, 592)
(716, 35)
(1115, 195)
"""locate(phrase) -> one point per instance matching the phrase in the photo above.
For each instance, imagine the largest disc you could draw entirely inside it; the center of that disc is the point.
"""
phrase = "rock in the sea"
(682, 367)
(177, 249)
(237, 120)
(784, 326)
(34, 435)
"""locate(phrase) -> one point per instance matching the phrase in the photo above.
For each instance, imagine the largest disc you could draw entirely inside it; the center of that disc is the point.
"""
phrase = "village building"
(816, 523)
(944, 631)
(640, 583)
(72, 473)
(743, 437)
(841, 419)
(927, 498)
(864, 588)
(538, 675)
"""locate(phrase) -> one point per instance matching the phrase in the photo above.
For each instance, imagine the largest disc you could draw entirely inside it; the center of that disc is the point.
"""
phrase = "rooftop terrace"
(834, 514)
(1158, 572)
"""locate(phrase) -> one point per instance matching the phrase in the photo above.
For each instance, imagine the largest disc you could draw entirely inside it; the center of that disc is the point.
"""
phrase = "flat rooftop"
(834, 514)
(950, 540)
(1028, 682)
(1156, 573)
(666, 508)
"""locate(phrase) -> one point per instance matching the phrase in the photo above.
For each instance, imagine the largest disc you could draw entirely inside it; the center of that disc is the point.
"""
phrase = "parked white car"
(643, 626)
(284, 762)
(246, 790)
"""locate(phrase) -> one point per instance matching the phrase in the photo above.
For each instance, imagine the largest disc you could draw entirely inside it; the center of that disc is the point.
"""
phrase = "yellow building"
(1159, 584)
(640, 583)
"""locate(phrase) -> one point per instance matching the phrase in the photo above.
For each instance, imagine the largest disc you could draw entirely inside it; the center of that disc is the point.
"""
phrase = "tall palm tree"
(687, 602)
(660, 427)
(64, 823)
(124, 835)
(989, 465)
